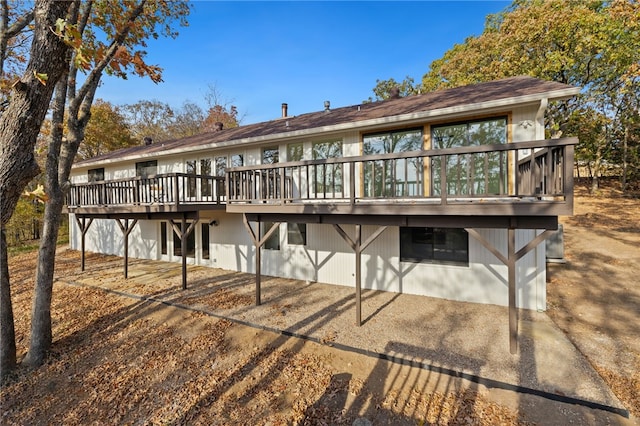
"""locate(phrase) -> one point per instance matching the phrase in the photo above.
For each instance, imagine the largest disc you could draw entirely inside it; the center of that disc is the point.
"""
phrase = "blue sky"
(261, 54)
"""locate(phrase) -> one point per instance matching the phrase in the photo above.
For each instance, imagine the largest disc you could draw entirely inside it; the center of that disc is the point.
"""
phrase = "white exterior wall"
(326, 258)
(104, 236)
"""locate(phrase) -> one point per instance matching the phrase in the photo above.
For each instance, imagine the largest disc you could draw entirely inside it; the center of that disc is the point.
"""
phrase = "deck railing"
(167, 189)
(537, 169)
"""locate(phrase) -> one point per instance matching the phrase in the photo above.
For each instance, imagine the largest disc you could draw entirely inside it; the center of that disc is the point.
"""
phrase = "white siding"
(524, 125)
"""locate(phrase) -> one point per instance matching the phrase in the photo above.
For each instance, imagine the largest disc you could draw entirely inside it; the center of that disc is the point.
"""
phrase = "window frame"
(296, 234)
(321, 184)
(191, 244)
(416, 251)
(205, 238)
(95, 175)
(469, 181)
(142, 168)
(385, 178)
(295, 151)
(273, 243)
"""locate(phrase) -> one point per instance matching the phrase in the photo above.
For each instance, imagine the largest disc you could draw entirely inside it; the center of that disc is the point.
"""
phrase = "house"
(447, 194)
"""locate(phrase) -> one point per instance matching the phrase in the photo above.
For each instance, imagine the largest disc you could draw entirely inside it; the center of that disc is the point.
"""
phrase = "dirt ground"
(595, 297)
(122, 360)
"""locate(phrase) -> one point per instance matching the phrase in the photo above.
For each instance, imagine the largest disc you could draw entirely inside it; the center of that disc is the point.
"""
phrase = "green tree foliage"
(149, 118)
(107, 130)
(591, 44)
(386, 89)
(25, 223)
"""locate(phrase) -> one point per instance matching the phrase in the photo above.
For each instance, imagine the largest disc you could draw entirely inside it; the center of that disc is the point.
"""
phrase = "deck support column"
(126, 230)
(183, 232)
(513, 310)
(510, 261)
(84, 227)
(258, 243)
(358, 247)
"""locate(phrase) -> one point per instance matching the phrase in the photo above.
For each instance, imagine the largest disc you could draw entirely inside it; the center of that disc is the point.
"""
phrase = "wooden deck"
(519, 179)
(518, 185)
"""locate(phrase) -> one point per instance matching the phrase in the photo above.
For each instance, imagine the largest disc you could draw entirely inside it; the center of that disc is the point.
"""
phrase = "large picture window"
(393, 178)
(434, 245)
(327, 177)
(295, 152)
(471, 174)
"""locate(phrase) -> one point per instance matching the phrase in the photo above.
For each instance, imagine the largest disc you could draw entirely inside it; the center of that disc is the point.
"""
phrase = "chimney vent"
(147, 140)
(394, 93)
(217, 126)
(327, 105)
(284, 110)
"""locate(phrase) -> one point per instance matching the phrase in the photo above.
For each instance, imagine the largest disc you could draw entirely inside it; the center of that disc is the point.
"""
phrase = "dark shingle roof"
(482, 92)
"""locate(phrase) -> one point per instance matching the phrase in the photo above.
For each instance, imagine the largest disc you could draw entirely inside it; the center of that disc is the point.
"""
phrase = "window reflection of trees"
(328, 177)
(191, 181)
(471, 174)
(393, 178)
(206, 189)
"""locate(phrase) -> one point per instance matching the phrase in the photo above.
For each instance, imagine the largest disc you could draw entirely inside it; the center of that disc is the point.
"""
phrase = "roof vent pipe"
(217, 126)
(327, 105)
(284, 109)
(147, 140)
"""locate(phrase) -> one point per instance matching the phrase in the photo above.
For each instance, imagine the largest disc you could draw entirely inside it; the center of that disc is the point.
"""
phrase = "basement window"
(434, 245)
(297, 234)
(273, 243)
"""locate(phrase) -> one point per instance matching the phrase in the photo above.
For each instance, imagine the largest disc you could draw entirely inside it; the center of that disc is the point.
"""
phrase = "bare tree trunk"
(19, 127)
(60, 158)
(20, 121)
(597, 163)
(625, 154)
(7, 329)
(41, 333)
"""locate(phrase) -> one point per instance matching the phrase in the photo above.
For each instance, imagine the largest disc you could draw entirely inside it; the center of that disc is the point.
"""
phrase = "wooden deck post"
(183, 251)
(510, 261)
(126, 230)
(84, 227)
(183, 232)
(513, 311)
(358, 247)
(358, 252)
(258, 243)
